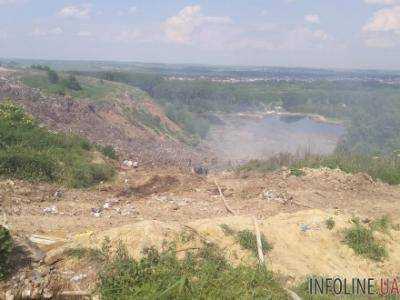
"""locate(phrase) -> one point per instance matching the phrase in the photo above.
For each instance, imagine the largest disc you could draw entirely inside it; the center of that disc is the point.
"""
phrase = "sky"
(290, 33)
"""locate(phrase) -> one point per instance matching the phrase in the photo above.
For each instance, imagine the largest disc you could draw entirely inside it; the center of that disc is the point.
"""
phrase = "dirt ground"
(158, 202)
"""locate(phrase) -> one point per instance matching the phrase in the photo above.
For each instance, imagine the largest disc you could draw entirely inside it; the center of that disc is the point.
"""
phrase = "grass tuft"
(247, 239)
(362, 241)
(330, 223)
(203, 274)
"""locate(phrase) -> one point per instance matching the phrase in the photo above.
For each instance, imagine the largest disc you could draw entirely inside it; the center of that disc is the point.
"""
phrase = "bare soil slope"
(149, 206)
(104, 112)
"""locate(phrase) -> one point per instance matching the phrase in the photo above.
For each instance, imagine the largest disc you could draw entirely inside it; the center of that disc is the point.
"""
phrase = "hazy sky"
(311, 33)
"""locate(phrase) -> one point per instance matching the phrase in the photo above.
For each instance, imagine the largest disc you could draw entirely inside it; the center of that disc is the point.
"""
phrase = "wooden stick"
(224, 200)
(259, 244)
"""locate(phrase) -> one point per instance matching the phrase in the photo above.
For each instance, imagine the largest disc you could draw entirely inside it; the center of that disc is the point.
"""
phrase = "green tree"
(53, 76)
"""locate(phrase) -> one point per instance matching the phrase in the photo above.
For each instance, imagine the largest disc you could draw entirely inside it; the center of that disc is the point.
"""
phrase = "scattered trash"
(110, 203)
(127, 163)
(200, 170)
(304, 227)
(58, 194)
(128, 210)
(43, 240)
(268, 195)
(171, 199)
(130, 163)
(308, 227)
(96, 212)
(280, 197)
(50, 210)
(78, 278)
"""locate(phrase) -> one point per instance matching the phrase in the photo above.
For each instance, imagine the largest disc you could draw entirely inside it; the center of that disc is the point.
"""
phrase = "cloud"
(379, 42)
(12, 2)
(75, 11)
(182, 27)
(382, 2)
(383, 30)
(46, 32)
(132, 10)
(84, 33)
(384, 20)
(312, 18)
(264, 12)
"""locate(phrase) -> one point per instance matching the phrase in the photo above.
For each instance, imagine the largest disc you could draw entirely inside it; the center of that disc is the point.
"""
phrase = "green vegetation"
(53, 76)
(264, 166)
(247, 239)
(296, 172)
(109, 151)
(202, 274)
(30, 152)
(382, 224)
(141, 117)
(361, 240)
(6, 245)
(92, 255)
(330, 223)
(195, 124)
(79, 88)
(371, 111)
(385, 168)
(72, 83)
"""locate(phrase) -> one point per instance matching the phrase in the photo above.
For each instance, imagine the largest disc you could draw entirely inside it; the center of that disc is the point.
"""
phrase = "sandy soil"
(147, 206)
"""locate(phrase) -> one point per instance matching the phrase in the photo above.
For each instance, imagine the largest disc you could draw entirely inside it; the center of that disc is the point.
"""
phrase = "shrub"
(247, 239)
(6, 245)
(109, 151)
(28, 164)
(85, 175)
(382, 224)
(330, 223)
(53, 76)
(296, 172)
(202, 274)
(362, 241)
(14, 115)
(92, 255)
(72, 83)
(32, 153)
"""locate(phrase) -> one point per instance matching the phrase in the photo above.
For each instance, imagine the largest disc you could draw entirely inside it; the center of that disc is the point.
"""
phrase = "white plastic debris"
(110, 203)
(128, 163)
(78, 278)
(44, 240)
(96, 212)
(50, 210)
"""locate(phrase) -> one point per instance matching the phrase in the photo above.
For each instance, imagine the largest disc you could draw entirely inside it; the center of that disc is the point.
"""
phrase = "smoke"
(244, 137)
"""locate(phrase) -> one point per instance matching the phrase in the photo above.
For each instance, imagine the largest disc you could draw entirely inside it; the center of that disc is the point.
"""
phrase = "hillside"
(104, 112)
(82, 223)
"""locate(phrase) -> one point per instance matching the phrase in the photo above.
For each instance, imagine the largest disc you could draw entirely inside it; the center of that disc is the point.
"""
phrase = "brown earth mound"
(156, 184)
